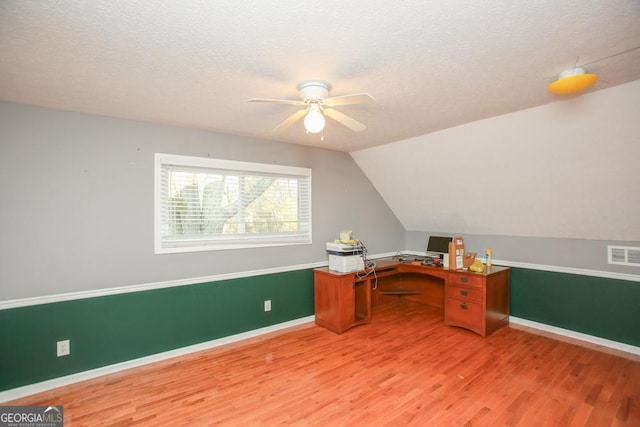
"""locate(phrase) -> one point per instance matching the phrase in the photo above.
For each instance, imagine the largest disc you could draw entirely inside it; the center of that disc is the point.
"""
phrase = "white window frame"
(225, 242)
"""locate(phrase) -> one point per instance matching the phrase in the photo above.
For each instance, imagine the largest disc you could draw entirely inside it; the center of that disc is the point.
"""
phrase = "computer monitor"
(438, 244)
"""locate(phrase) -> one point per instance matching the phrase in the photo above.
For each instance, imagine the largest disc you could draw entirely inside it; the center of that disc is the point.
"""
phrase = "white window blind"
(211, 204)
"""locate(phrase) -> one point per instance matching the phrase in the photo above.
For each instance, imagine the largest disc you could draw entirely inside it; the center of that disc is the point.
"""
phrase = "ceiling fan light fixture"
(314, 120)
(572, 81)
(314, 89)
(314, 97)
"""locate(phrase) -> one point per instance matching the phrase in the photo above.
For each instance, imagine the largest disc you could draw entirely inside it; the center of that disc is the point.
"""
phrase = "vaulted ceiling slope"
(430, 65)
(564, 170)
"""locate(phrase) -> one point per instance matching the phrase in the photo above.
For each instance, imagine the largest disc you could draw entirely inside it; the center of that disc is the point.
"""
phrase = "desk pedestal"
(342, 301)
(478, 302)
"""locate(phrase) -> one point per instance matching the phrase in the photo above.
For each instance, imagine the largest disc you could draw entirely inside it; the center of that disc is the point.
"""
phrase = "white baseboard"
(28, 390)
(615, 345)
(20, 392)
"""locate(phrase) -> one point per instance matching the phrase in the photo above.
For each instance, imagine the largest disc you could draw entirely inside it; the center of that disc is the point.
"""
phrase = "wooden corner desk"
(475, 301)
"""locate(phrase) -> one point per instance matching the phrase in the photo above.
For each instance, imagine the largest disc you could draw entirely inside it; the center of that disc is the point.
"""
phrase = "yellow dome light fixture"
(572, 81)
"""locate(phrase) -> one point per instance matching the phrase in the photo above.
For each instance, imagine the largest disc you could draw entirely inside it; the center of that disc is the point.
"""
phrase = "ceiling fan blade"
(289, 121)
(352, 124)
(356, 98)
(278, 101)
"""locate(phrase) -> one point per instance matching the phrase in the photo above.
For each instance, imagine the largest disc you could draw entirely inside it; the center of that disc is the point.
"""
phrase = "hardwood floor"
(405, 368)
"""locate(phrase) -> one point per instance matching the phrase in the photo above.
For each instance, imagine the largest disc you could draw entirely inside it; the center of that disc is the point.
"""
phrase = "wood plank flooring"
(404, 369)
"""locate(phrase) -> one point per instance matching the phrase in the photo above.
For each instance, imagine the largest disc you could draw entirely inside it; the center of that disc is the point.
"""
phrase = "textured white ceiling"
(430, 64)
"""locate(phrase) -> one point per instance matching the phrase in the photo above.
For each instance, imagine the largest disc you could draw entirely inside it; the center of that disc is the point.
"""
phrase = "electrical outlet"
(267, 305)
(64, 348)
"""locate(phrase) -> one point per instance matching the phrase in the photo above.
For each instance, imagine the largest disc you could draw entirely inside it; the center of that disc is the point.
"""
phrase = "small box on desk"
(346, 264)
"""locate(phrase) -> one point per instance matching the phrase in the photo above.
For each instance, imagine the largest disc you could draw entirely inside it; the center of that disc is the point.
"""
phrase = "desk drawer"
(467, 314)
(463, 293)
(466, 280)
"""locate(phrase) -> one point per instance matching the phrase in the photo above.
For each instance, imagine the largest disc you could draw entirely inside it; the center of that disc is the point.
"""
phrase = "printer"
(345, 257)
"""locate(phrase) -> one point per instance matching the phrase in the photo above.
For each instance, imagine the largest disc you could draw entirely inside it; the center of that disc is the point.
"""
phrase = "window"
(204, 204)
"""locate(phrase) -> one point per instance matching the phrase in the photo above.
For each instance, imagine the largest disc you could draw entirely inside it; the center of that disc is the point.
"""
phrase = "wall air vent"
(624, 255)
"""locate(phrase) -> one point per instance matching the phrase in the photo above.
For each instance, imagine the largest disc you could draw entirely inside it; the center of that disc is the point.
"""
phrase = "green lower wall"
(602, 307)
(112, 329)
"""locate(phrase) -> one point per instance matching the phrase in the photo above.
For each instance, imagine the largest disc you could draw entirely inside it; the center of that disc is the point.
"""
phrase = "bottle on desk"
(488, 258)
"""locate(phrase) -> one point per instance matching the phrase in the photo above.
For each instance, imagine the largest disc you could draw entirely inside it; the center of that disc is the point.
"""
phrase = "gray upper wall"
(77, 203)
(543, 252)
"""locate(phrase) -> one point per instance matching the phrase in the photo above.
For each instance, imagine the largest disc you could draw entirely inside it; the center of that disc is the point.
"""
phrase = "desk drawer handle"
(464, 279)
(464, 293)
(463, 306)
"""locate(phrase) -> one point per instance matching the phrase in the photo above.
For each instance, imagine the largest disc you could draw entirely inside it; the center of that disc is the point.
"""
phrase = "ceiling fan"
(314, 96)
